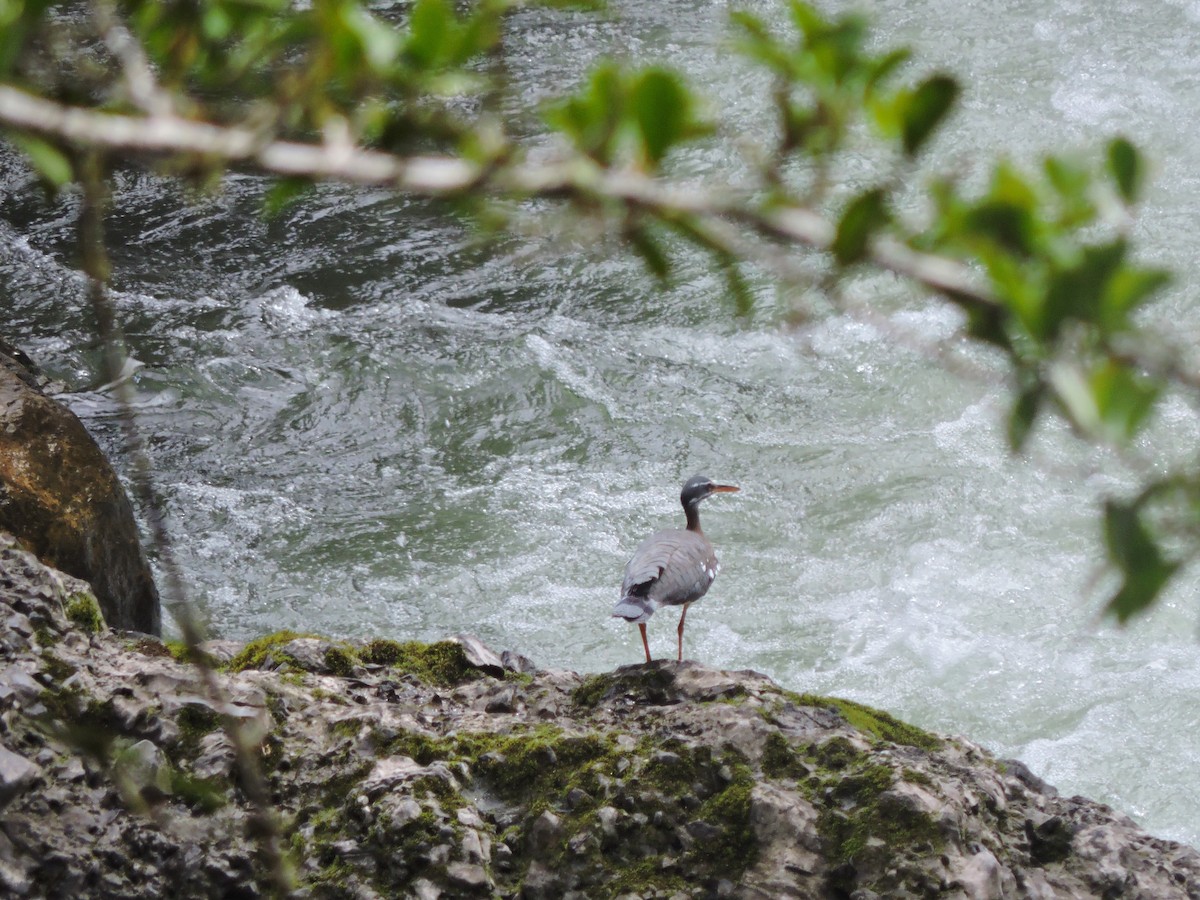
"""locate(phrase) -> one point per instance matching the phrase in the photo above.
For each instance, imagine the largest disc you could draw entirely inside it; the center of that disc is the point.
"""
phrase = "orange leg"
(645, 643)
(682, 616)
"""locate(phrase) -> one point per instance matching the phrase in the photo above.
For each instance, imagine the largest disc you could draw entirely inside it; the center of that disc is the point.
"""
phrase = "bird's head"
(698, 487)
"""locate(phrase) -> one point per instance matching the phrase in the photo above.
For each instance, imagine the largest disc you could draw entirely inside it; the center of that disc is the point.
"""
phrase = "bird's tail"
(634, 609)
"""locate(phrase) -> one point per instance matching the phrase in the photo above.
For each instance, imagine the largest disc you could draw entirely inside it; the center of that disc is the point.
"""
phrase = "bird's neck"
(693, 518)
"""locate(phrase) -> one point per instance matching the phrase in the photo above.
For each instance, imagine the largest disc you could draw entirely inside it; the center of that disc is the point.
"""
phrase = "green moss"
(860, 807)
(836, 753)
(204, 795)
(419, 747)
(195, 721)
(531, 765)
(859, 804)
(83, 610)
(58, 670)
(650, 683)
(439, 788)
(414, 841)
(443, 663)
(673, 767)
(87, 725)
(724, 780)
(913, 776)
(314, 844)
(864, 783)
(876, 723)
(62, 707)
(381, 652)
(592, 691)
(781, 760)
(886, 727)
(346, 728)
(178, 651)
(45, 635)
(255, 652)
(341, 660)
(643, 877)
(729, 809)
(276, 705)
(337, 788)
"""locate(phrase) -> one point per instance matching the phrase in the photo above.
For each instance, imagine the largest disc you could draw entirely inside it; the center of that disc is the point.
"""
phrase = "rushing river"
(365, 423)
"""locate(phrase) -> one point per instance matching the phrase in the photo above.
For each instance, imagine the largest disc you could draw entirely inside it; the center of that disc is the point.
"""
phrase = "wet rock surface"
(62, 499)
(448, 770)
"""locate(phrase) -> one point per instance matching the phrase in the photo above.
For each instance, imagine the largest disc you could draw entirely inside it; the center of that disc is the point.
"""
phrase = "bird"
(673, 567)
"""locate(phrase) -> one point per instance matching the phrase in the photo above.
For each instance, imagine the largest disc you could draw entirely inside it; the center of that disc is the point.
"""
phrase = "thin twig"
(96, 266)
(341, 160)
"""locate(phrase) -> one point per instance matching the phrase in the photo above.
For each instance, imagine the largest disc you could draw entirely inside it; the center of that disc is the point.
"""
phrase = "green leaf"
(1124, 398)
(1125, 164)
(1127, 290)
(216, 22)
(863, 216)
(1019, 289)
(1144, 569)
(926, 109)
(1024, 413)
(1073, 185)
(19, 19)
(591, 117)
(735, 282)
(380, 43)
(1006, 224)
(429, 30)
(1078, 291)
(282, 194)
(986, 324)
(1068, 178)
(806, 19)
(1076, 398)
(48, 161)
(651, 252)
(884, 67)
(661, 107)
(1110, 401)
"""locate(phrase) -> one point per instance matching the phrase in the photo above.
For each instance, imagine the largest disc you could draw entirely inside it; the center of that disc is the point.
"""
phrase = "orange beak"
(725, 488)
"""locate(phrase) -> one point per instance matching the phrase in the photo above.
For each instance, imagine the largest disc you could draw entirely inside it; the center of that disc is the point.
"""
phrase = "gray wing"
(670, 567)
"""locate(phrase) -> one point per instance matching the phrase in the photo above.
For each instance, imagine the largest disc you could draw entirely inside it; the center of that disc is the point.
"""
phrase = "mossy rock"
(781, 760)
(873, 722)
(443, 663)
(83, 610)
(195, 720)
(651, 683)
(255, 653)
(860, 805)
(531, 766)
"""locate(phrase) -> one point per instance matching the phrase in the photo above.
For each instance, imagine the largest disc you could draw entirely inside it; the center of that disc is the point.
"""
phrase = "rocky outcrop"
(447, 770)
(62, 499)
